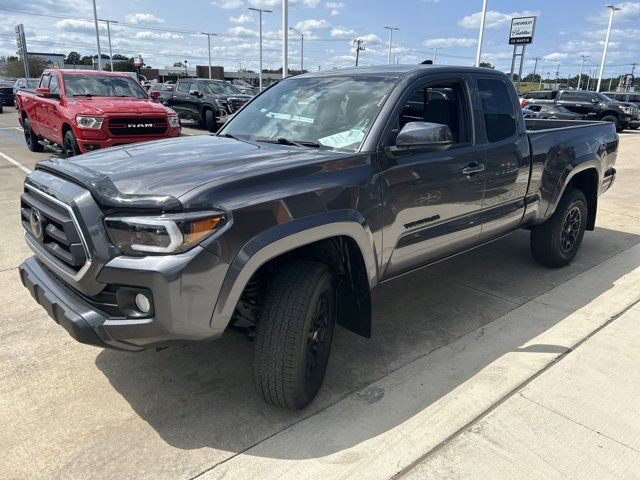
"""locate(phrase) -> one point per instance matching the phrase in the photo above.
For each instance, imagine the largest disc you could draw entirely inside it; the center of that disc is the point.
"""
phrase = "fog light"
(142, 302)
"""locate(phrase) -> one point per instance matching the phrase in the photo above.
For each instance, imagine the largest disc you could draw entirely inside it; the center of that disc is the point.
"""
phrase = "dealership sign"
(522, 29)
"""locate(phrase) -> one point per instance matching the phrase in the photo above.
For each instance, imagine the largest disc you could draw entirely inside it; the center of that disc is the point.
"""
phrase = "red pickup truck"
(84, 110)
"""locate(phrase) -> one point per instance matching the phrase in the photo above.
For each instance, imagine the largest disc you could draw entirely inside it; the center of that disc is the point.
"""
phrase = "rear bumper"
(91, 144)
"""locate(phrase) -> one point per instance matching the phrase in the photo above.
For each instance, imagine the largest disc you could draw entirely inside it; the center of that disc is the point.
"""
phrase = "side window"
(193, 86)
(183, 87)
(53, 84)
(574, 97)
(44, 81)
(498, 109)
(438, 103)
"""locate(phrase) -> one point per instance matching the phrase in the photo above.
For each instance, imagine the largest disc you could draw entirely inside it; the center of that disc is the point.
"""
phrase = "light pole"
(95, 21)
(301, 47)
(391, 29)
(481, 34)
(435, 53)
(541, 75)
(285, 38)
(109, 37)
(186, 72)
(260, 12)
(209, 35)
(584, 58)
(612, 9)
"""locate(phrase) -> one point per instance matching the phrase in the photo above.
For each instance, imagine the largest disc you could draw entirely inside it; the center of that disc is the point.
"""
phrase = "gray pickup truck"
(318, 190)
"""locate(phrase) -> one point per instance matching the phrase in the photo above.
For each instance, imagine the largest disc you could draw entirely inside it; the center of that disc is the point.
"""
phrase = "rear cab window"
(500, 121)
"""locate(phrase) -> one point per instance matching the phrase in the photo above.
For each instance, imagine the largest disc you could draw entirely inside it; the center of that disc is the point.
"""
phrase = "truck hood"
(155, 174)
(115, 105)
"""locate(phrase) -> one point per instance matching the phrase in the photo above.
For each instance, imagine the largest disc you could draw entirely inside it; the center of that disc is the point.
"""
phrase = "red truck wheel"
(70, 147)
(32, 140)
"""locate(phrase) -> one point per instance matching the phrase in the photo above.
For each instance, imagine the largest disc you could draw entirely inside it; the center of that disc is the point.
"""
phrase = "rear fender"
(590, 161)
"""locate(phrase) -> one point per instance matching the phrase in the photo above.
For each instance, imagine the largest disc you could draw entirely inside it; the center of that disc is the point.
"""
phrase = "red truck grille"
(126, 126)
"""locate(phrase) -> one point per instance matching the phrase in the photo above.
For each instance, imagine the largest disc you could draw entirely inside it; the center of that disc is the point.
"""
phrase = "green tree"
(486, 65)
(124, 66)
(14, 67)
(178, 64)
(73, 58)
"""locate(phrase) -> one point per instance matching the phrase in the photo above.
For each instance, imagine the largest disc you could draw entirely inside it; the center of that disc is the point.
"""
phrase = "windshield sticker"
(342, 139)
(286, 116)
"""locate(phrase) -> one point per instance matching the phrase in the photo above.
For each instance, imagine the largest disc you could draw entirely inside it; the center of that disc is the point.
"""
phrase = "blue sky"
(565, 31)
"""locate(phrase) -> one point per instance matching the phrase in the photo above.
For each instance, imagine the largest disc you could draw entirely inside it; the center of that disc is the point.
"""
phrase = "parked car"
(244, 87)
(529, 113)
(24, 84)
(630, 99)
(208, 102)
(85, 110)
(555, 112)
(321, 188)
(592, 105)
(6, 93)
(164, 90)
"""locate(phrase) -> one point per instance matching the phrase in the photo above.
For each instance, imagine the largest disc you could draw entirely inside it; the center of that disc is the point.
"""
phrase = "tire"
(70, 145)
(556, 242)
(1, 109)
(31, 138)
(294, 333)
(210, 121)
(614, 120)
(634, 127)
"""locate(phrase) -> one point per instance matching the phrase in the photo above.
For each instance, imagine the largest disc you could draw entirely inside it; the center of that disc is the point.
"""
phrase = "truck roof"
(400, 70)
(88, 72)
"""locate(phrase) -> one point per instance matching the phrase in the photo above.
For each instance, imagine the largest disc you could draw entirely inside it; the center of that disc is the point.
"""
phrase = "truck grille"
(4, 91)
(126, 126)
(52, 227)
(235, 103)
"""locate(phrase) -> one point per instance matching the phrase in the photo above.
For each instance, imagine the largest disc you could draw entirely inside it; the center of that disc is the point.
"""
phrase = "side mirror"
(424, 136)
(155, 95)
(43, 92)
(595, 100)
(194, 92)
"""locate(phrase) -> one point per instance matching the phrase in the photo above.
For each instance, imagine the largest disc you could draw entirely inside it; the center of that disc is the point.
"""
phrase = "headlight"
(221, 103)
(174, 121)
(626, 109)
(89, 122)
(162, 234)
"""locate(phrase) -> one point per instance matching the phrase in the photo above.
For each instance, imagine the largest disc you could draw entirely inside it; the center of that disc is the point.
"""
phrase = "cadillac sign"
(522, 29)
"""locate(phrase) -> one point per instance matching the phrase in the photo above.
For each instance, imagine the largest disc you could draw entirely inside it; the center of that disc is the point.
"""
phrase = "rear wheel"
(70, 147)
(634, 127)
(294, 333)
(615, 121)
(556, 242)
(32, 140)
(210, 121)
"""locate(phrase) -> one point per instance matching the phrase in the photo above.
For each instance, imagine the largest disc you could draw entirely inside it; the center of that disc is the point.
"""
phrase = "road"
(451, 343)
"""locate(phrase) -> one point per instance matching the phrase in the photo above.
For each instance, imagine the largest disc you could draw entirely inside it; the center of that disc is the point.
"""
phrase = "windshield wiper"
(288, 141)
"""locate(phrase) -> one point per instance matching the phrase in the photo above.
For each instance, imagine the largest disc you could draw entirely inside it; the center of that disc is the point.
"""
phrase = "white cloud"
(493, 19)
(312, 24)
(370, 38)
(144, 18)
(242, 31)
(556, 56)
(335, 7)
(228, 4)
(449, 42)
(342, 32)
(278, 3)
(242, 19)
(431, 1)
(629, 11)
(145, 34)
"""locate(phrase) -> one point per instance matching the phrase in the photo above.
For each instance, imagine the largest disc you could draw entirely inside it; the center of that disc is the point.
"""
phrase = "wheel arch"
(340, 238)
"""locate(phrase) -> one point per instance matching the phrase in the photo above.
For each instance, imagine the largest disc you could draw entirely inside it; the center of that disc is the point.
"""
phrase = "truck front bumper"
(88, 144)
(183, 291)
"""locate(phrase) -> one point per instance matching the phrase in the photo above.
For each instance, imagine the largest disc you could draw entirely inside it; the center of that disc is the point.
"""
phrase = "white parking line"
(15, 163)
(20, 129)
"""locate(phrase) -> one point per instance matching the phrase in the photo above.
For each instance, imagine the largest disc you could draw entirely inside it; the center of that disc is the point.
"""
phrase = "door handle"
(473, 168)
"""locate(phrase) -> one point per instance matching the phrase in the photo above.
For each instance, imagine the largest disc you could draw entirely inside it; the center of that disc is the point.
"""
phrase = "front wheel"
(70, 147)
(210, 121)
(615, 121)
(556, 242)
(31, 138)
(634, 127)
(294, 334)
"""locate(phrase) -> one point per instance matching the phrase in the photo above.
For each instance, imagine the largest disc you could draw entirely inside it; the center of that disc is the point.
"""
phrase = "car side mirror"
(595, 100)
(43, 92)
(154, 95)
(423, 136)
(194, 92)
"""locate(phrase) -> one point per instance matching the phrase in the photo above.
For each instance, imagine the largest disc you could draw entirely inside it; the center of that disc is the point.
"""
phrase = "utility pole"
(301, 47)
(612, 9)
(391, 29)
(260, 12)
(481, 34)
(186, 72)
(557, 75)
(584, 58)
(535, 66)
(209, 35)
(109, 37)
(359, 48)
(95, 21)
(541, 75)
(285, 38)
(435, 54)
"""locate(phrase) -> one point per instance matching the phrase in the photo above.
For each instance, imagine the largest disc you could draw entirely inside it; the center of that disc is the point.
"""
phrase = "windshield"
(333, 112)
(78, 85)
(603, 97)
(218, 88)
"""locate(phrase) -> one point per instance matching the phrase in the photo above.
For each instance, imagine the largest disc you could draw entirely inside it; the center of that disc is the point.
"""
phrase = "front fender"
(284, 238)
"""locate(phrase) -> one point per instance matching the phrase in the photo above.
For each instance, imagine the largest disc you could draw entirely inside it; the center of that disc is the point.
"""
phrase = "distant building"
(54, 60)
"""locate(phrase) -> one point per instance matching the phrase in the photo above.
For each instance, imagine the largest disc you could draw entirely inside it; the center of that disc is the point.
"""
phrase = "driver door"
(432, 202)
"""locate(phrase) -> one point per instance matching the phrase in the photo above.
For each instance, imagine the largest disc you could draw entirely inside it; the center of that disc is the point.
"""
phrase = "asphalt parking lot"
(450, 342)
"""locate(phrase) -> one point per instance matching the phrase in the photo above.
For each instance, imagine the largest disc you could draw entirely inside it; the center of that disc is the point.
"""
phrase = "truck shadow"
(202, 395)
